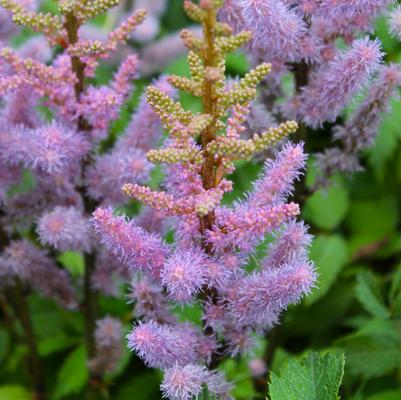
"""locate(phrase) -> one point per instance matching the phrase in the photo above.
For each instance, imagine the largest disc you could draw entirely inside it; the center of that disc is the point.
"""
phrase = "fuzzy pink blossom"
(184, 274)
(277, 30)
(128, 242)
(261, 296)
(49, 148)
(163, 346)
(333, 85)
(110, 171)
(278, 177)
(65, 228)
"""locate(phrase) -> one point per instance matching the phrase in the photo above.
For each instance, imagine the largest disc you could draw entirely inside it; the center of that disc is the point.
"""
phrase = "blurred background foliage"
(356, 308)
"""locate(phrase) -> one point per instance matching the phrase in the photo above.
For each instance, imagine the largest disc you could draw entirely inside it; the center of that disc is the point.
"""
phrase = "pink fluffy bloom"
(214, 316)
(122, 81)
(349, 8)
(333, 85)
(395, 22)
(19, 109)
(277, 30)
(65, 228)
(239, 341)
(359, 132)
(99, 106)
(290, 245)
(108, 331)
(183, 274)
(128, 242)
(163, 346)
(49, 148)
(183, 383)
(110, 171)
(277, 181)
(260, 297)
(361, 129)
(108, 338)
(34, 267)
(186, 383)
(244, 227)
(150, 302)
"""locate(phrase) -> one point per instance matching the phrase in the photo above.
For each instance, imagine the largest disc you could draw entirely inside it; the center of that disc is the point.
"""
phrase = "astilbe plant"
(206, 266)
(301, 38)
(61, 152)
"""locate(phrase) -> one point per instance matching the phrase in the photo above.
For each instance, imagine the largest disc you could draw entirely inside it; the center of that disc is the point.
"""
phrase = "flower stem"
(72, 26)
(21, 310)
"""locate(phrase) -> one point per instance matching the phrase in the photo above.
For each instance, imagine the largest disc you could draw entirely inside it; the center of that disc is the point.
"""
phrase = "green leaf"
(14, 393)
(4, 343)
(54, 344)
(368, 294)
(330, 254)
(395, 283)
(313, 378)
(373, 219)
(72, 261)
(387, 140)
(374, 350)
(73, 374)
(387, 395)
(327, 208)
(237, 63)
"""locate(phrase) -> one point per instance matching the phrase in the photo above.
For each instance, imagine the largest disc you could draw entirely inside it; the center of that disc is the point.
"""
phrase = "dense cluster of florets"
(52, 129)
(300, 38)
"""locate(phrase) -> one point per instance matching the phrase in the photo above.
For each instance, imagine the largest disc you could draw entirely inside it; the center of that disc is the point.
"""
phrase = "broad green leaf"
(368, 294)
(395, 283)
(330, 254)
(54, 344)
(73, 374)
(386, 142)
(372, 351)
(73, 261)
(375, 218)
(313, 378)
(327, 208)
(14, 393)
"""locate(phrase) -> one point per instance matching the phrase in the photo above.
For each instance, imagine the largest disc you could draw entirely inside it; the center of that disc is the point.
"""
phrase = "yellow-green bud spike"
(199, 123)
(232, 43)
(194, 11)
(186, 84)
(191, 41)
(196, 66)
(172, 155)
(274, 135)
(39, 22)
(223, 29)
(234, 149)
(166, 107)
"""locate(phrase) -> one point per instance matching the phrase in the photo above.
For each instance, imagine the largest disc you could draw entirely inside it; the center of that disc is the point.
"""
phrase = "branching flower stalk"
(213, 242)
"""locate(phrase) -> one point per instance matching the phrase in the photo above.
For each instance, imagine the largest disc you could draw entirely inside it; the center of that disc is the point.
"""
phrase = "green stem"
(22, 312)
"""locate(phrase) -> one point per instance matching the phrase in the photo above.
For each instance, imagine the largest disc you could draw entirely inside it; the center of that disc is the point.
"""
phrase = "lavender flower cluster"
(53, 122)
(301, 38)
